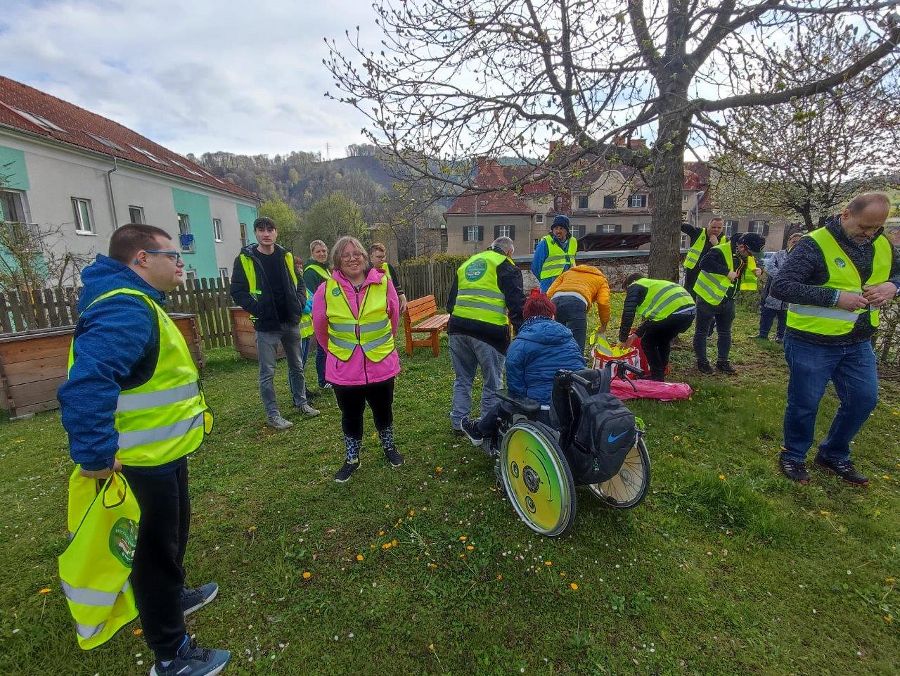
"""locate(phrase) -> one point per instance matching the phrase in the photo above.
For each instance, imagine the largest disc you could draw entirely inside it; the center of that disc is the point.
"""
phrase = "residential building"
(64, 167)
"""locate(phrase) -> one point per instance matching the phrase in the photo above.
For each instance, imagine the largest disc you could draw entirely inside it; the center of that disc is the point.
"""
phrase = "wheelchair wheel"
(537, 478)
(627, 488)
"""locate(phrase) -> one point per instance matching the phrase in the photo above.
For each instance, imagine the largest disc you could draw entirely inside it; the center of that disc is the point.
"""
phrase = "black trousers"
(690, 278)
(722, 315)
(157, 572)
(657, 341)
(352, 400)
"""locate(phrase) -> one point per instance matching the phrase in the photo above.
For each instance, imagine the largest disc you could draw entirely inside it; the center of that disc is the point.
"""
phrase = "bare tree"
(32, 258)
(459, 79)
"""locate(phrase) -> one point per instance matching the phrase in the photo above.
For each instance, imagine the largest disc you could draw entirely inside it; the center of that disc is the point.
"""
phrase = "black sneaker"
(195, 599)
(844, 469)
(793, 470)
(726, 367)
(470, 429)
(704, 367)
(192, 660)
(393, 456)
(343, 474)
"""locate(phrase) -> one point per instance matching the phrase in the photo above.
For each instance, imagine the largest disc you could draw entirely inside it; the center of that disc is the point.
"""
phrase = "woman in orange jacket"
(573, 293)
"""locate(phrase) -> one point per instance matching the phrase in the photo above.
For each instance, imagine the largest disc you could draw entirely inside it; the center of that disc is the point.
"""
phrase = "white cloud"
(193, 75)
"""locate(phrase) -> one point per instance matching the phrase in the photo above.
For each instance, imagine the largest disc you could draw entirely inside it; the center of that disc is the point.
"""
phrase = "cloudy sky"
(193, 75)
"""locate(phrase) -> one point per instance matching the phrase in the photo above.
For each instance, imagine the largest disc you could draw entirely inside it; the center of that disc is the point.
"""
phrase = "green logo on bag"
(475, 270)
(122, 540)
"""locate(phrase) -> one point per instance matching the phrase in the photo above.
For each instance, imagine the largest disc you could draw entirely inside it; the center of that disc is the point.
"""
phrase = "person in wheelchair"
(540, 349)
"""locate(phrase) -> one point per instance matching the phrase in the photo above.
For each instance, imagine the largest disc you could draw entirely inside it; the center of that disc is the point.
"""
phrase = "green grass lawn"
(725, 568)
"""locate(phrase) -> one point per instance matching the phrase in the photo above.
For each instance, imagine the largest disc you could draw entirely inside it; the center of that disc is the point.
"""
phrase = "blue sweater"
(111, 339)
(541, 348)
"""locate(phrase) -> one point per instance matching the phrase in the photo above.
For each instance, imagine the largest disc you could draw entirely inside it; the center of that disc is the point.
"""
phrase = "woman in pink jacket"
(355, 315)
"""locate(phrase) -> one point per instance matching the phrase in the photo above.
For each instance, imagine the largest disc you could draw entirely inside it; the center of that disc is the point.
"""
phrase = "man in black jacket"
(478, 334)
(702, 240)
(265, 283)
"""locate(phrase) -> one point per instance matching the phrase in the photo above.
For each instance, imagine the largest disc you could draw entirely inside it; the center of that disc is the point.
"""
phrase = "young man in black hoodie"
(265, 283)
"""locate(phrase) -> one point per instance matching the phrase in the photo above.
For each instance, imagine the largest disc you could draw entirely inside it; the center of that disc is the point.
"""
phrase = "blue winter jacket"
(113, 339)
(540, 349)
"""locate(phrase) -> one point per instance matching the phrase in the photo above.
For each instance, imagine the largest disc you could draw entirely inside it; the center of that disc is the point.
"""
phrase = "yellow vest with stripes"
(558, 259)
(662, 300)
(842, 276)
(749, 279)
(371, 330)
(696, 251)
(713, 287)
(166, 417)
(478, 295)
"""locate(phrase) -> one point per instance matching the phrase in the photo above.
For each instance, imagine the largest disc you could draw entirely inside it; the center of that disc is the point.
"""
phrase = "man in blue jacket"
(554, 253)
(123, 341)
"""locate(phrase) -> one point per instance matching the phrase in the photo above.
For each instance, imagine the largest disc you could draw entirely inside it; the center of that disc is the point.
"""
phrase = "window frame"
(135, 207)
(601, 228)
(583, 202)
(242, 227)
(224, 274)
(218, 233)
(539, 218)
(610, 202)
(187, 221)
(762, 224)
(731, 226)
(637, 196)
(641, 228)
(79, 225)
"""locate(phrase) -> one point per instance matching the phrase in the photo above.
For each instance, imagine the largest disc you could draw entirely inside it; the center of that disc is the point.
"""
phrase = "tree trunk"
(666, 185)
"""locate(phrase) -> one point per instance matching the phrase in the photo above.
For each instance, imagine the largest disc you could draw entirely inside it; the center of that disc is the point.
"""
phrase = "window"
(473, 233)
(575, 231)
(637, 201)
(534, 245)
(730, 228)
(759, 227)
(685, 242)
(217, 229)
(41, 122)
(609, 201)
(149, 155)
(136, 214)
(608, 228)
(224, 273)
(641, 227)
(186, 168)
(582, 201)
(505, 231)
(190, 274)
(84, 217)
(539, 218)
(11, 208)
(184, 233)
(109, 144)
(243, 228)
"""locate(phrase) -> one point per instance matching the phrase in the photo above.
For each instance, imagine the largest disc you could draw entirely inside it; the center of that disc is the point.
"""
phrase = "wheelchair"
(533, 450)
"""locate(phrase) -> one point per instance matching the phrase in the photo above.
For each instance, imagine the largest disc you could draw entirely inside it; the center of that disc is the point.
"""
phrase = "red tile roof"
(30, 110)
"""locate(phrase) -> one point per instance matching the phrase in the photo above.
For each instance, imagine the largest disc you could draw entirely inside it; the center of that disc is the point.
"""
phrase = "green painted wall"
(196, 206)
(13, 172)
(247, 214)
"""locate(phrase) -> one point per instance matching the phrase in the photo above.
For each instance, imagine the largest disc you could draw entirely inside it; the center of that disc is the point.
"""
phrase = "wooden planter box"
(33, 364)
(244, 335)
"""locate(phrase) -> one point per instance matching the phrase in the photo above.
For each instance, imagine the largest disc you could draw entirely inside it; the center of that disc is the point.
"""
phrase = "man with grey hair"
(485, 299)
(834, 282)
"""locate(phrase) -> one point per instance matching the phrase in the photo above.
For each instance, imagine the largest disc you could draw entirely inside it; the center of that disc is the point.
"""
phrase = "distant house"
(66, 167)
(608, 207)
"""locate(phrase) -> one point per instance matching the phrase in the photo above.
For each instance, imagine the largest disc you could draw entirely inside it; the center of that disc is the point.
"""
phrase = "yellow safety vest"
(319, 270)
(306, 325)
(558, 260)
(478, 295)
(250, 273)
(371, 330)
(166, 417)
(696, 251)
(662, 300)
(843, 276)
(386, 269)
(712, 287)
(749, 279)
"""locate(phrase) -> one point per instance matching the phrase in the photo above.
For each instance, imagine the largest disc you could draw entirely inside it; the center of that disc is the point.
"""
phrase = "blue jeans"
(320, 358)
(466, 355)
(266, 345)
(852, 370)
(767, 317)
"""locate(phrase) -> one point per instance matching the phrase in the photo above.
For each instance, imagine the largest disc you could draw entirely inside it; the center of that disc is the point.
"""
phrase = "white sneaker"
(308, 410)
(279, 423)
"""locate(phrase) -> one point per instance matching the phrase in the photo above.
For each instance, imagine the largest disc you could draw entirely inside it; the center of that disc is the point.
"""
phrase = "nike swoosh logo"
(610, 439)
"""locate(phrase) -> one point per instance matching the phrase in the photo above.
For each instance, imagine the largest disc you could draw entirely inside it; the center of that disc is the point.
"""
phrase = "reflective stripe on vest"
(371, 330)
(842, 276)
(478, 294)
(558, 260)
(662, 299)
(696, 251)
(164, 418)
(250, 273)
(713, 287)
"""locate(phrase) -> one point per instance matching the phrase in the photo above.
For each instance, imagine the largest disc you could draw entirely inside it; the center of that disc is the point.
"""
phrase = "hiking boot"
(844, 469)
(344, 473)
(192, 660)
(704, 367)
(470, 429)
(195, 599)
(308, 410)
(726, 367)
(278, 423)
(793, 470)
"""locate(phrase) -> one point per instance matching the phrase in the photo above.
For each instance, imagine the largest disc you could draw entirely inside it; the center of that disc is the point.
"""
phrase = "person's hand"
(403, 303)
(879, 295)
(851, 301)
(102, 473)
(757, 271)
(713, 240)
(732, 275)
(631, 340)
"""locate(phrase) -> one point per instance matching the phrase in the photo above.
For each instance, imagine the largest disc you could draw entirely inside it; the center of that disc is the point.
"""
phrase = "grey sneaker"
(195, 599)
(278, 423)
(308, 410)
(192, 660)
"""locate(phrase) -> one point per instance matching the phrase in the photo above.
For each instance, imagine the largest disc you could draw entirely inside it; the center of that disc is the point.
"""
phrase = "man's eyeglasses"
(351, 256)
(173, 255)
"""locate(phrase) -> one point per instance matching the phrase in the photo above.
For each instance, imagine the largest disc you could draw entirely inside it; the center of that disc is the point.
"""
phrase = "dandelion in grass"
(573, 586)
(360, 557)
(306, 575)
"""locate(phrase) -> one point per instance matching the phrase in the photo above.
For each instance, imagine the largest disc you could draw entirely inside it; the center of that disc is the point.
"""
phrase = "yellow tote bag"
(95, 567)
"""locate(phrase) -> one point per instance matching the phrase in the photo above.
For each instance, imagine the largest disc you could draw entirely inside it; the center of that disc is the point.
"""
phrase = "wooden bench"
(421, 317)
